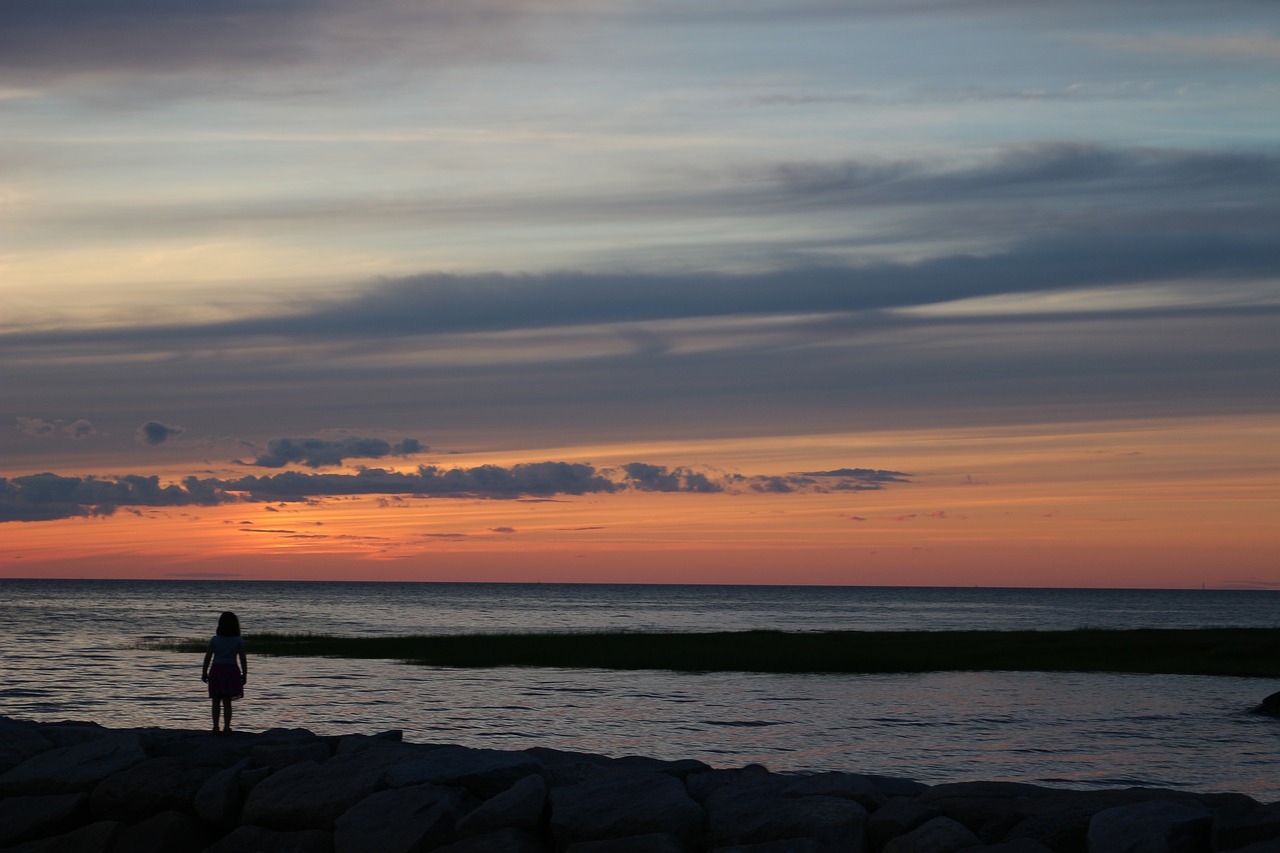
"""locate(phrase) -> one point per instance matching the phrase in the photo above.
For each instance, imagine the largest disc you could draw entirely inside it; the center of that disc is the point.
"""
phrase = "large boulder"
(19, 740)
(753, 813)
(73, 768)
(73, 732)
(357, 743)
(256, 839)
(680, 768)
(658, 842)
(484, 772)
(521, 806)
(278, 756)
(97, 837)
(988, 809)
(401, 820)
(849, 786)
(786, 845)
(502, 841)
(1157, 826)
(149, 787)
(1269, 706)
(166, 832)
(218, 801)
(940, 835)
(703, 785)
(1240, 828)
(624, 804)
(312, 796)
(564, 767)
(24, 818)
(897, 817)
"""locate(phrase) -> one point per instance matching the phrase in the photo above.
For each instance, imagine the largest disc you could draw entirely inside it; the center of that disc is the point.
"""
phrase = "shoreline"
(79, 785)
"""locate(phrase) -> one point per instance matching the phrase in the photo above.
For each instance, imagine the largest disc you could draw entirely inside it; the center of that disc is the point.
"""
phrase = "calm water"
(71, 654)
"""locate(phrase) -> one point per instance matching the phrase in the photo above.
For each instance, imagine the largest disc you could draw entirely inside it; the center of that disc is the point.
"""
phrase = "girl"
(225, 679)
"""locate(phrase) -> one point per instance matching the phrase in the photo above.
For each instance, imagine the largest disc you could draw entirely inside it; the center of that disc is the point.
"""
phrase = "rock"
(789, 845)
(897, 817)
(73, 768)
(484, 772)
(218, 800)
(679, 769)
(1158, 826)
(1238, 829)
(278, 756)
(703, 785)
(753, 812)
(249, 779)
(621, 805)
(521, 806)
(356, 743)
(312, 796)
(986, 791)
(502, 841)
(562, 768)
(849, 786)
(255, 839)
(167, 832)
(24, 818)
(1270, 706)
(940, 835)
(73, 733)
(989, 809)
(1259, 847)
(149, 787)
(95, 838)
(1021, 845)
(658, 842)
(19, 740)
(400, 820)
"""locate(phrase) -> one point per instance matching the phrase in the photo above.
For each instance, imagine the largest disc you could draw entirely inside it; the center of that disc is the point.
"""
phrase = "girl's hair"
(228, 625)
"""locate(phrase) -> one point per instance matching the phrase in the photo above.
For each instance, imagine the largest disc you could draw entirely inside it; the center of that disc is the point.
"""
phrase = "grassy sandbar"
(1251, 652)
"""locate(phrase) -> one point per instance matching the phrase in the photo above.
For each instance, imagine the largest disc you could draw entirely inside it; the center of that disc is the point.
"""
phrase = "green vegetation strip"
(1211, 651)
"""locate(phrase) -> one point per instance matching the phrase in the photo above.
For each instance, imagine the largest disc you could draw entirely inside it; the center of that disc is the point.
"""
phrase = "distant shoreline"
(1239, 652)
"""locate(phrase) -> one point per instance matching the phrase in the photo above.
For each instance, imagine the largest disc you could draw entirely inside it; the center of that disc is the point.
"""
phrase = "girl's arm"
(204, 670)
(244, 666)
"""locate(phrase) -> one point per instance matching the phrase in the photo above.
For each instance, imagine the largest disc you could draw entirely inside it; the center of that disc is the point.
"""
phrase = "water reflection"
(1075, 729)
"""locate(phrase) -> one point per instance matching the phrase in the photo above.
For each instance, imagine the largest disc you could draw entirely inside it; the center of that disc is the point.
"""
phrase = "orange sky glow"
(1089, 505)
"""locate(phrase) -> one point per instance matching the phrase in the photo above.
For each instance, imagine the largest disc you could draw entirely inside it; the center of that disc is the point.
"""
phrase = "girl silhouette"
(225, 679)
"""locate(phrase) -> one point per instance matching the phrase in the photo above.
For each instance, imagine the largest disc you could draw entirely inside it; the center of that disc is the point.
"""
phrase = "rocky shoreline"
(72, 786)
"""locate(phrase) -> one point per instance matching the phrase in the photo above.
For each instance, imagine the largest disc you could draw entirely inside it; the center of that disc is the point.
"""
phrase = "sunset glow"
(967, 294)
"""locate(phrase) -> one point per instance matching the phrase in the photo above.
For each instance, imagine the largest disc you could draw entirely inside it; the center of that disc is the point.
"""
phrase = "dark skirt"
(225, 681)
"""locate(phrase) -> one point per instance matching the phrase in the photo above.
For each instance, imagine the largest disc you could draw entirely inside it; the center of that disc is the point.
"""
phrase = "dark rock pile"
(72, 787)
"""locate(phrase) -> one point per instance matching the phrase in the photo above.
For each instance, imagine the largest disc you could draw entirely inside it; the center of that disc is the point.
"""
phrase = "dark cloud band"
(45, 497)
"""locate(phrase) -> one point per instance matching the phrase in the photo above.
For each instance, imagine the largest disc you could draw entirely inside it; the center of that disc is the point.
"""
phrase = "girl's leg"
(226, 714)
(215, 715)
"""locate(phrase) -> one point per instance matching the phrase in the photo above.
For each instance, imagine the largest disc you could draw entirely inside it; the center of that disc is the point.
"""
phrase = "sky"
(975, 292)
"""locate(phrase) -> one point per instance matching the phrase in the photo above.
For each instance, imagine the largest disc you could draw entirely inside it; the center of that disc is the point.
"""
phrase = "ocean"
(73, 652)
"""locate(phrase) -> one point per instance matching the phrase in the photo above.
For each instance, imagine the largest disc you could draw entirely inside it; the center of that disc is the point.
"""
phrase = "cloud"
(38, 427)
(258, 44)
(502, 530)
(156, 433)
(77, 430)
(319, 452)
(47, 496)
(41, 497)
(657, 478)
(1242, 46)
(862, 475)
